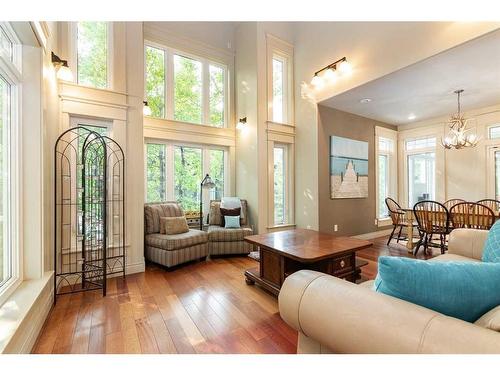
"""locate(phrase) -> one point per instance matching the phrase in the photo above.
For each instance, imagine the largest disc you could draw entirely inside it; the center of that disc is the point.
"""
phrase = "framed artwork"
(348, 168)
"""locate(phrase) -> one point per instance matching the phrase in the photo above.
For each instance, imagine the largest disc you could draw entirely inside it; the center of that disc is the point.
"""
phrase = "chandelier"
(459, 136)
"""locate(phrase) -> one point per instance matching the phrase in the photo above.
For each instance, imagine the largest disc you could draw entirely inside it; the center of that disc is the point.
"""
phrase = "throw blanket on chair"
(231, 202)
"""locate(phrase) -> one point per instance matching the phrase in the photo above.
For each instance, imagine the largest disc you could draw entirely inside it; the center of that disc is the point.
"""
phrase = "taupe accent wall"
(357, 215)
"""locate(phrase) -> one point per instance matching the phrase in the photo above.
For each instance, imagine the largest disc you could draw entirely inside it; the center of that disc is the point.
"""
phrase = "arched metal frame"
(89, 199)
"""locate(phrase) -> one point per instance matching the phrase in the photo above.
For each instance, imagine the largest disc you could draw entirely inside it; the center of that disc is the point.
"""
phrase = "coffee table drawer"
(341, 265)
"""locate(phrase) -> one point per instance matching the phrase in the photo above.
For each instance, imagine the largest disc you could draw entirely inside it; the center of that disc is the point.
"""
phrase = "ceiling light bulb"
(345, 67)
(64, 73)
(412, 117)
(317, 81)
(365, 100)
(331, 75)
(146, 109)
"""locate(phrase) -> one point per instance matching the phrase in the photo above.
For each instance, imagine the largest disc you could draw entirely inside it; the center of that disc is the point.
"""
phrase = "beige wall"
(374, 49)
(353, 216)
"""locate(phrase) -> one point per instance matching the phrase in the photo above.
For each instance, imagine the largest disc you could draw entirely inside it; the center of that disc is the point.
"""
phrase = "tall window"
(187, 176)
(156, 174)
(280, 184)
(195, 90)
(178, 177)
(155, 80)
(421, 164)
(497, 175)
(386, 169)
(278, 89)
(5, 114)
(92, 53)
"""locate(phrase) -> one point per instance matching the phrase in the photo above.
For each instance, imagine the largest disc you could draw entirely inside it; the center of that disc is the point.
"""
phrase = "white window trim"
(73, 55)
(11, 72)
(169, 53)
(169, 165)
(277, 48)
(392, 159)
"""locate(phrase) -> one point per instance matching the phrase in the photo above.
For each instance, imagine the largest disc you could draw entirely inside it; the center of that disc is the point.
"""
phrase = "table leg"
(409, 231)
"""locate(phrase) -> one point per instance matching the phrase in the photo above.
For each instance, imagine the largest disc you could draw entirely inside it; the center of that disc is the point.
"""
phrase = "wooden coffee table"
(283, 253)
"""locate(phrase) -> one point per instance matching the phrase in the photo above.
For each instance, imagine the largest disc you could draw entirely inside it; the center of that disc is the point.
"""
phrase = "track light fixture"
(329, 73)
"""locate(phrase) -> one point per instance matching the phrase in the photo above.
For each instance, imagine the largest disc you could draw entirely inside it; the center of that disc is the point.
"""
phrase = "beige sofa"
(174, 249)
(225, 241)
(335, 316)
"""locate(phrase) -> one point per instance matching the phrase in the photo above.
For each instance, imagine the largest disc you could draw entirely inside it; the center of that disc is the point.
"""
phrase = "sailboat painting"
(348, 168)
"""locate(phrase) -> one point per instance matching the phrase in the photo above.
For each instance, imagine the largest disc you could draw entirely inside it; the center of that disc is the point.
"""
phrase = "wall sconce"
(63, 71)
(242, 123)
(330, 72)
(146, 110)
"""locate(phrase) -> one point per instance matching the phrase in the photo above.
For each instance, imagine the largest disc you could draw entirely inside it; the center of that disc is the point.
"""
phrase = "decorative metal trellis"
(89, 211)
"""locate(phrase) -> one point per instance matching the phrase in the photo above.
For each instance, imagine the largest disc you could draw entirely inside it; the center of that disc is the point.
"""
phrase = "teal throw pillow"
(491, 249)
(232, 221)
(464, 290)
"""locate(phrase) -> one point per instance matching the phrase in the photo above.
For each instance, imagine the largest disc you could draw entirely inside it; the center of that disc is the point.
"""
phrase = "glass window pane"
(187, 90)
(156, 173)
(5, 266)
(6, 47)
(155, 81)
(217, 173)
(416, 144)
(421, 177)
(279, 186)
(497, 175)
(216, 96)
(495, 132)
(278, 90)
(92, 50)
(187, 177)
(383, 185)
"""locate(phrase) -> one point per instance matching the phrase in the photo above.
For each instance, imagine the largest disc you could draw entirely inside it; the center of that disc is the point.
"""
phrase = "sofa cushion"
(490, 320)
(464, 290)
(153, 212)
(173, 225)
(176, 241)
(220, 234)
(214, 217)
(491, 251)
(229, 212)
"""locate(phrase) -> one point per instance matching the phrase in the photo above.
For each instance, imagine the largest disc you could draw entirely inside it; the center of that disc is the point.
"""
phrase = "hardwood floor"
(203, 307)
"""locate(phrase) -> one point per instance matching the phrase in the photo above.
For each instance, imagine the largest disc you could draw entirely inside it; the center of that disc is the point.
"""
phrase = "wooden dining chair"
(398, 218)
(472, 215)
(433, 219)
(451, 202)
(493, 204)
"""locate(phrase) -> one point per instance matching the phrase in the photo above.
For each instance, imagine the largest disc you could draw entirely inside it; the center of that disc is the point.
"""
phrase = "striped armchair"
(224, 241)
(173, 249)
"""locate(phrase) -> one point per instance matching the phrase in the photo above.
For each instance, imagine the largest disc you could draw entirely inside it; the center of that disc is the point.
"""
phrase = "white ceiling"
(425, 89)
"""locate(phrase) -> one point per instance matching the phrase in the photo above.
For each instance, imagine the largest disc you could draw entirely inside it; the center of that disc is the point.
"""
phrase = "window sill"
(23, 314)
(281, 226)
(384, 222)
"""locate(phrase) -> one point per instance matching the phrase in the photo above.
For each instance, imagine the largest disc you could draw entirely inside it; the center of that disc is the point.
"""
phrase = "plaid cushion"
(220, 234)
(176, 241)
(215, 216)
(153, 212)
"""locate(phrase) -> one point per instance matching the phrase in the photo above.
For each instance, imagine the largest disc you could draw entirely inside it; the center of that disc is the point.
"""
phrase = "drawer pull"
(342, 263)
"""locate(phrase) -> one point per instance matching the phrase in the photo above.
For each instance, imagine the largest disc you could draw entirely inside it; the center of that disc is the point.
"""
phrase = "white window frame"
(169, 53)
(392, 160)
(73, 47)
(169, 166)
(488, 131)
(286, 183)
(281, 50)
(11, 72)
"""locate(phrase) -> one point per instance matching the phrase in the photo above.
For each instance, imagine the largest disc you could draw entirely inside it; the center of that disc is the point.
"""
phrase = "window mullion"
(170, 172)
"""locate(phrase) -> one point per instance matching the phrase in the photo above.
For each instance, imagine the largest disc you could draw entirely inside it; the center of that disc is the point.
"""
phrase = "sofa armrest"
(467, 242)
(347, 318)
